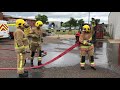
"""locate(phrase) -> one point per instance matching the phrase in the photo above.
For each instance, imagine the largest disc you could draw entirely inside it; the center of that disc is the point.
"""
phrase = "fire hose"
(54, 59)
(14, 49)
(7, 49)
(14, 58)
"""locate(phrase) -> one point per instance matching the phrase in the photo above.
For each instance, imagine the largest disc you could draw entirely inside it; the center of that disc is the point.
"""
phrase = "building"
(114, 48)
(11, 20)
(31, 22)
(1, 16)
(114, 25)
(57, 24)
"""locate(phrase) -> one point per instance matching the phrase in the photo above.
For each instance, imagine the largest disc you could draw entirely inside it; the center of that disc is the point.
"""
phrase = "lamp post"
(88, 17)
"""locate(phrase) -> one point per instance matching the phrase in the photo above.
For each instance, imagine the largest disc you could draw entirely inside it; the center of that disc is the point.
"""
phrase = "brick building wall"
(1, 16)
(29, 21)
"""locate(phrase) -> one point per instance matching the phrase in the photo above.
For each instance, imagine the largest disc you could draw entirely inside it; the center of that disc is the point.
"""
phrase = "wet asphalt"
(66, 66)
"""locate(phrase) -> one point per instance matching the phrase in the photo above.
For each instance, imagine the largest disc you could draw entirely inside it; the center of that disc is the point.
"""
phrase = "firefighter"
(35, 42)
(27, 30)
(93, 22)
(21, 44)
(86, 47)
(93, 28)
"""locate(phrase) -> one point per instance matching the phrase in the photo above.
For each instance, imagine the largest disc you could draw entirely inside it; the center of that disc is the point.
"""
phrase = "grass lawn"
(63, 32)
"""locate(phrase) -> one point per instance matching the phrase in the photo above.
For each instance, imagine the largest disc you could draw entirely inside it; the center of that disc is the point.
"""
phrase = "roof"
(8, 16)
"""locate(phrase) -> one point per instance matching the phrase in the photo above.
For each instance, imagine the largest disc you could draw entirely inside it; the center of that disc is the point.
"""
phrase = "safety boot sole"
(93, 68)
(83, 68)
(23, 75)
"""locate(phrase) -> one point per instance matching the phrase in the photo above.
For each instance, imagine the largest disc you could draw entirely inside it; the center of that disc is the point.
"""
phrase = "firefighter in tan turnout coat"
(35, 37)
(21, 44)
(86, 47)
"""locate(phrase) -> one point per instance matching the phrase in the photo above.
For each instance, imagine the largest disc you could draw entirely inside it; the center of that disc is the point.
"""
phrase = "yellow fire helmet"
(38, 23)
(20, 23)
(86, 28)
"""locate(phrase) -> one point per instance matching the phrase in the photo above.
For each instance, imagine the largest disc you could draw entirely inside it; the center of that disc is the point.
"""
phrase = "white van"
(12, 28)
(4, 30)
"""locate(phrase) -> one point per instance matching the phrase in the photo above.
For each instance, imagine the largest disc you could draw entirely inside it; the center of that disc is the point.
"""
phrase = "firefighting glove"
(89, 44)
(25, 39)
(35, 36)
(85, 42)
(32, 36)
(20, 49)
(92, 41)
(27, 49)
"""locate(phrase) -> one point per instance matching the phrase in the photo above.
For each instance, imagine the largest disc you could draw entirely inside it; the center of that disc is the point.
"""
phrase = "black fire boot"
(93, 68)
(83, 61)
(32, 63)
(83, 68)
(39, 63)
(23, 75)
(25, 71)
(92, 61)
(40, 57)
(32, 57)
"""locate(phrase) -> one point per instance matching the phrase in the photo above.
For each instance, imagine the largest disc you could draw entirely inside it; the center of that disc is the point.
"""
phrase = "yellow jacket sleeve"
(81, 38)
(18, 36)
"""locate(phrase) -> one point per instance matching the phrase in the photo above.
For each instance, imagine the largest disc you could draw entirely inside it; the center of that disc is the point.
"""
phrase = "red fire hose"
(57, 57)
(8, 49)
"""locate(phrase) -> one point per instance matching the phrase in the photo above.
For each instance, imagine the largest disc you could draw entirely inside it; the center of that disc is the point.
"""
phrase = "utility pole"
(88, 17)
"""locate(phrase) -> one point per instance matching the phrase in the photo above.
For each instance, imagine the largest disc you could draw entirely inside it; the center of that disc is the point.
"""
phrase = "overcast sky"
(63, 16)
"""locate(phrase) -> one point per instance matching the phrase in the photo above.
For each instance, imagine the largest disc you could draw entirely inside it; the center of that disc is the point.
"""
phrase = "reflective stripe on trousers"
(87, 48)
(20, 67)
(92, 64)
(39, 58)
(82, 64)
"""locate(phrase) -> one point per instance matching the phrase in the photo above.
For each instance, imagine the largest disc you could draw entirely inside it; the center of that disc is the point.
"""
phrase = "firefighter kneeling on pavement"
(21, 45)
(86, 47)
(35, 37)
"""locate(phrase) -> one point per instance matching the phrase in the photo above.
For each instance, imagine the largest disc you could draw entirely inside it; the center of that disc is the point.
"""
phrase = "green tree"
(80, 23)
(72, 22)
(43, 18)
(66, 24)
(97, 21)
(61, 23)
(75, 24)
